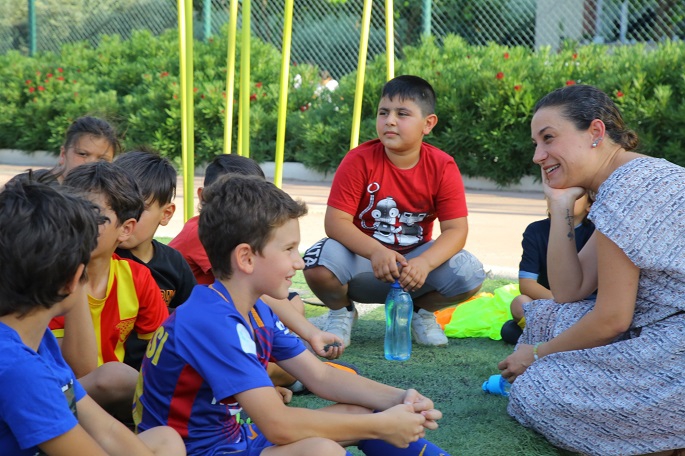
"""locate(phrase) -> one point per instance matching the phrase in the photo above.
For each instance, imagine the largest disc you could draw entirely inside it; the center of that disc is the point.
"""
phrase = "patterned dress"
(627, 397)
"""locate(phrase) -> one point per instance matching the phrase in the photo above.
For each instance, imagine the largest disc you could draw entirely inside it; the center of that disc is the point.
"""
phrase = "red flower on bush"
(575, 55)
(195, 89)
(32, 89)
(163, 74)
(41, 88)
(28, 82)
(258, 85)
(49, 75)
(518, 87)
(499, 75)
(619, 94)
(37, 73)
(253, 97)
(506, 55)
(303, 108)
(60, 78)
(175, 96)
(60, 70)
(223, 94)
(570, 82)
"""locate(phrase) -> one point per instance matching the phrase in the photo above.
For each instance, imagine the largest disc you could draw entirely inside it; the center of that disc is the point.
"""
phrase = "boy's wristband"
(535, 351)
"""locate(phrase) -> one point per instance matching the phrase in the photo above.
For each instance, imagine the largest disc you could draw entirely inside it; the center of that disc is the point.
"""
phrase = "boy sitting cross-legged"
(208, 360)
(122, 294)
(47, 235)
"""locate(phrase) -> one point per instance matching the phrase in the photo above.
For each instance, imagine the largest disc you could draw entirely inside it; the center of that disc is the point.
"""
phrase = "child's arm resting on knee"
(74, 442)
(113, 436)
(283, 425)
(451, 240)
(339, 225)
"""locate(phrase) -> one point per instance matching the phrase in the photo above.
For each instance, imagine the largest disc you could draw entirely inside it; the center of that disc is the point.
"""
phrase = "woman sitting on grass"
(605, 377)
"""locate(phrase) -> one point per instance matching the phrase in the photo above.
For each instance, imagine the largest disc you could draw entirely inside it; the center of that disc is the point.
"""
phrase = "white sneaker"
(426, 330)
(340, 323)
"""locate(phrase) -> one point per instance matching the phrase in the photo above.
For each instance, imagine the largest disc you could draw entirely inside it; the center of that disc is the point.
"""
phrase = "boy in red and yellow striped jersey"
(122, 294)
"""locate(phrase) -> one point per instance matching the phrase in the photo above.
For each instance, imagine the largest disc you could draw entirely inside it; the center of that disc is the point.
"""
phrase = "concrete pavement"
(497, 219)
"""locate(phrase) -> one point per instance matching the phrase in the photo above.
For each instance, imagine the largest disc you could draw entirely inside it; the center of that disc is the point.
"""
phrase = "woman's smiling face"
(561, 149)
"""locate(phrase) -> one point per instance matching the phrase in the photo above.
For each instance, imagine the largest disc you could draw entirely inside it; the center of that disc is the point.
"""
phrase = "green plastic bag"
(484, 316)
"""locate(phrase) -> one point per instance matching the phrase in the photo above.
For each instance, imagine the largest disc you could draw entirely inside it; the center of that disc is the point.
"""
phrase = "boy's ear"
(167, 212)
(430, 121)
(126, 229)
(244, 258)
(199, 193)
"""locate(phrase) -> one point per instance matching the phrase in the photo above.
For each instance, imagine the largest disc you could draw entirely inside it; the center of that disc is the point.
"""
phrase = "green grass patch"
(474, 423)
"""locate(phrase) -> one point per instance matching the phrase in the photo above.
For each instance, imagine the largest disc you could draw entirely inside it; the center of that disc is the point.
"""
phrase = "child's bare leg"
(112, 386)
(315, 446)
(163, 440)
(517, 306)
(327, 287)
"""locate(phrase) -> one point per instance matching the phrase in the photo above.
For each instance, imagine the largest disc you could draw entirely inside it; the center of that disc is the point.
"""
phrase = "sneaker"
(511, 332)
(340, 323)
(426, 330)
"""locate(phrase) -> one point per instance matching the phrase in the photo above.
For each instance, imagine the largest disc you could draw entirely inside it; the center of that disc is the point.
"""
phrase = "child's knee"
(114, 380)
(320, 275)
(517, 306)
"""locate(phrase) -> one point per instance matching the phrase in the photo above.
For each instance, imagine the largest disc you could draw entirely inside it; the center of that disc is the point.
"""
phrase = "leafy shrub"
(485, 98)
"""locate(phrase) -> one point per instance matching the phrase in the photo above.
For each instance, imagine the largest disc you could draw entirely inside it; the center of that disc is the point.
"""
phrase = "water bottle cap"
(396, 284)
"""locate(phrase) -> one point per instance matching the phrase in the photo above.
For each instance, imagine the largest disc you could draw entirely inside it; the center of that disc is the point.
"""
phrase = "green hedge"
(485, 98)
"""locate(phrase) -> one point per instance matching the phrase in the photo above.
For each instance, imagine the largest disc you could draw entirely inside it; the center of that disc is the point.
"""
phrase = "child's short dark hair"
(231, 163)
(242, 209)
(412, 88)
(46, 233)
(114, 183)
(89, 125)
(155, 175)
(43, 176)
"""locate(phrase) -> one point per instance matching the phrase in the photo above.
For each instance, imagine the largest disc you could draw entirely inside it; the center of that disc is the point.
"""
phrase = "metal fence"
(326, 32)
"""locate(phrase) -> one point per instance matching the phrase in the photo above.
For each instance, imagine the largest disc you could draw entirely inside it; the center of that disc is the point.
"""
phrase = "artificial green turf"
(474, 423)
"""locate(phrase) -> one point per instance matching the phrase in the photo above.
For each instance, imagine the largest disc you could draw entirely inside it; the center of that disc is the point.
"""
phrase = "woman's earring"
(595, 143)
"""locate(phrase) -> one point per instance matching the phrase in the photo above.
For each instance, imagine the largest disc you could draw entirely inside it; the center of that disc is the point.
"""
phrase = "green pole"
(361, 71)
(32, 27)
(283, 92)
(427, 16)
(207, 19)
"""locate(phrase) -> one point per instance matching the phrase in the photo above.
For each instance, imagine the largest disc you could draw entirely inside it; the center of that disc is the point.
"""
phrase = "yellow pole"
(185, 40)
(230, 76)
(244, 111)
(389, 40)
(283, 92)
(361, 70)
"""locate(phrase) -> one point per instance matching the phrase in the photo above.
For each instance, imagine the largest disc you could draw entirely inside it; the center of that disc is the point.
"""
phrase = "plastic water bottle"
(399, 309)
(496, 384)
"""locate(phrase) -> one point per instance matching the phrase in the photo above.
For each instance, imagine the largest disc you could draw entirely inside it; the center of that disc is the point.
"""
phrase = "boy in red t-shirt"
(384, 199)
(122, 295)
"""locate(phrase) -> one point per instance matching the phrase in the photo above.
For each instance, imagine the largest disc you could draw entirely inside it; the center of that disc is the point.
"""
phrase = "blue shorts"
(461, 273)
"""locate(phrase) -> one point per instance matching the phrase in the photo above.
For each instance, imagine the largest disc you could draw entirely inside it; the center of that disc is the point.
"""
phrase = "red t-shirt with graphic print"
(398, 206)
